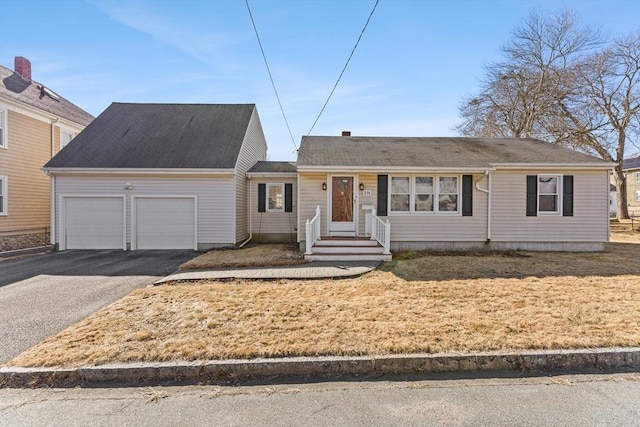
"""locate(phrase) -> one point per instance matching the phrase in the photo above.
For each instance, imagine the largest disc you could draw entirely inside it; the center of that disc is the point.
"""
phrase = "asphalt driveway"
(43, 294)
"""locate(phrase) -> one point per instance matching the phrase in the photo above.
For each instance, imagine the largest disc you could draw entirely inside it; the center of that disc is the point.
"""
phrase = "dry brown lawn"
(250, 256)
(433, 303)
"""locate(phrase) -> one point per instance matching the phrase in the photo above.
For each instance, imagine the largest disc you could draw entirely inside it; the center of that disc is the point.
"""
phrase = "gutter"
(487, 191)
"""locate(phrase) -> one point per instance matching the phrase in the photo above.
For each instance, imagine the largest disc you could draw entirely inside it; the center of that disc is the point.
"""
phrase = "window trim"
(436, 194)
(638, 177)
(558, 193)
(637, 195)
(268, 186)
(4, 205)
(4, 117)
(68, 132)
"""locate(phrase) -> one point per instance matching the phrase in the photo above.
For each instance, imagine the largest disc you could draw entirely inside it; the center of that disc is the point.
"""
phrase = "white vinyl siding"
(254, 148)
(310, 195)
(215, 216)
(164, 223)
(509, 222)
(92, 222)
(279, 222)
(4, 196)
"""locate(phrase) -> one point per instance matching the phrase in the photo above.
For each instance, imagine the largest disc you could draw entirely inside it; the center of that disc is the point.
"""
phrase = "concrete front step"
(347, 257)
(342, 242)
(347, 249)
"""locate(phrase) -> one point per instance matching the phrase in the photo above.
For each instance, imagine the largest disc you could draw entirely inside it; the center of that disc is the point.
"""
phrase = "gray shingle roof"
(160, 136)
(439, 152)
(632, 162)
(265, 166)
(15, 87)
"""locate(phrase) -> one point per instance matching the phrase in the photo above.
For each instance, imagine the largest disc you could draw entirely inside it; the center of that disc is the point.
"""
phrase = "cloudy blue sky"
(414, 64)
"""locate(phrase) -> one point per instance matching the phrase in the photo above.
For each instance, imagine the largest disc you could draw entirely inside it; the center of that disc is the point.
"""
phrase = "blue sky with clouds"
(414, 64)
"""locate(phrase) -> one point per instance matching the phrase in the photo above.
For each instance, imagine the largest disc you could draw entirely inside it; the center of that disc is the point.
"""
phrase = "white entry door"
(165, 223)
(341, 206)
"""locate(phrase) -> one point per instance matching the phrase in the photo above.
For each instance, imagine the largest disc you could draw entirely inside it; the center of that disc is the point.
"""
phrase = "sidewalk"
(310, 270)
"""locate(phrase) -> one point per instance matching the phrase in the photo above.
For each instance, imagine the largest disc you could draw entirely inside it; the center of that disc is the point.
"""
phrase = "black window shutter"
(467, 195)
(567, 195)
(262, 197)
(288, 197)
(532, 195)
(383, 184)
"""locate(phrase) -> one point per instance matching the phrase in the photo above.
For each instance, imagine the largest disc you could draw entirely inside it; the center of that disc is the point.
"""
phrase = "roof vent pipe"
(346, 133)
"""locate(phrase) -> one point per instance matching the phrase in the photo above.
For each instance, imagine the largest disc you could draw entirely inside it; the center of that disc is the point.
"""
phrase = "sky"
(416, 62)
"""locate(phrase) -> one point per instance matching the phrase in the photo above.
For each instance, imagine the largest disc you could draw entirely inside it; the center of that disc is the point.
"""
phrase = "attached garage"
(93, 222)
(164, 223)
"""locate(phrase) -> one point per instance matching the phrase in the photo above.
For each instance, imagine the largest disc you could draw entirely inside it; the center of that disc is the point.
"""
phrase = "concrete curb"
(209, 371)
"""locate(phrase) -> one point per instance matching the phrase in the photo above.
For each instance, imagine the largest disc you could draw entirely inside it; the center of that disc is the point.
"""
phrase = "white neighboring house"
(157, 176)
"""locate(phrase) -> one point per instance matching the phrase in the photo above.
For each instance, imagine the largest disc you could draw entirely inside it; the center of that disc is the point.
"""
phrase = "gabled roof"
(435, 153)
(267, 166)
(159, 136)
(13, 86)
(633, 162)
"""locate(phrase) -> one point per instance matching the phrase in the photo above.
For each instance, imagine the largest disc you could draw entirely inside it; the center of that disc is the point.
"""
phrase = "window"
(637, 176)
(548, 193)
(65, 138)
(400, 194)
(3, 128)
(3, 195)
(276, 197)
(637, 195)
(417, 194)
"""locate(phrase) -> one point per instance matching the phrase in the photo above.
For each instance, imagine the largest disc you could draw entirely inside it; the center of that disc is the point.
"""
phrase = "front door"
(342, 221)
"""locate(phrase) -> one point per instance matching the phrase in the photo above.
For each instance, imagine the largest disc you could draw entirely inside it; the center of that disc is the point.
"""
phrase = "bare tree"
(560, 83)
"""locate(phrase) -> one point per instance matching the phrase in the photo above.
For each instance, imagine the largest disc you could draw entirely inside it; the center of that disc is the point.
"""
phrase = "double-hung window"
(3, 128)
(423, 194)
(638, 177)
(548, 193)
(3, 195)
(276, 197)
(637, 195)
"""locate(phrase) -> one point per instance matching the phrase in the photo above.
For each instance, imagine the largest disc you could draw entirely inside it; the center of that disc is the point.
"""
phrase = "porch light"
(128, 186)
(324, 186)
(361, 186)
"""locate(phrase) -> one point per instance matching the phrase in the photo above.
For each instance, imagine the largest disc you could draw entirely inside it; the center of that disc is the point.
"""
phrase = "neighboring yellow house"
(35, 123)
(631, 169)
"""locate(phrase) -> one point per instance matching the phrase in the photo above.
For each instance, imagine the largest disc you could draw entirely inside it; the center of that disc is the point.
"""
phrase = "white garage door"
(165, 223)
(94, 222)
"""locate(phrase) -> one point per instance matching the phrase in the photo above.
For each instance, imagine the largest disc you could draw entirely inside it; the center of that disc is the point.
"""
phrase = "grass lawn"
(251, 255)
(423, 303)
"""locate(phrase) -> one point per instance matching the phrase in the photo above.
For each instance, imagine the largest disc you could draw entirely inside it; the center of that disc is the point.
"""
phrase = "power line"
(345, 67)
(284, 116)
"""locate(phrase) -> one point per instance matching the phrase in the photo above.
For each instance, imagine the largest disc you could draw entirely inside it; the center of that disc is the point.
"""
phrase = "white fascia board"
(394, 169)
(37, 113)
(272, 174)
(554, 166)
(129, 171)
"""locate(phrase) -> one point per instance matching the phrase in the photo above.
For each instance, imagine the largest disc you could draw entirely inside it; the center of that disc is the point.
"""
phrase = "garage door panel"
(165, 223)
(94, 222)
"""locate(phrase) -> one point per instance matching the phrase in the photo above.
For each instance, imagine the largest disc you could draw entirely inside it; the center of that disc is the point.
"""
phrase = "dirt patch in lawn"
(272, 254)
(505, 302)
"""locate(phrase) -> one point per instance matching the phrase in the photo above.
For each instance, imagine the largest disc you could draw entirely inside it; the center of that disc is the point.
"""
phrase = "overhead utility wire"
(345, 67)
(284, 116)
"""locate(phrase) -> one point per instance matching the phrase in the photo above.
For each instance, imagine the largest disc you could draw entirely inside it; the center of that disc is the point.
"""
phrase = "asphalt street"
(570, 400)
(42, 294)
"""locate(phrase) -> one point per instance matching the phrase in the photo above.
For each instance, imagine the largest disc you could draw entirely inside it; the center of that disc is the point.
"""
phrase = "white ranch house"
(176, 176)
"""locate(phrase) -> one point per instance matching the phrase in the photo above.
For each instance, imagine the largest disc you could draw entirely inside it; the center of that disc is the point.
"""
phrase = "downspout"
(53, 122)
(250, 216)
(487, 191)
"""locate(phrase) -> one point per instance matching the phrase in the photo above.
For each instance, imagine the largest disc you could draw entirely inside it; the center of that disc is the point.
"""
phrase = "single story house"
(172, 176)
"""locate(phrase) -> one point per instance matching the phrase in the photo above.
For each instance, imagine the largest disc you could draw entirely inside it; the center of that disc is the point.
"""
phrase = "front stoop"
(347, 249)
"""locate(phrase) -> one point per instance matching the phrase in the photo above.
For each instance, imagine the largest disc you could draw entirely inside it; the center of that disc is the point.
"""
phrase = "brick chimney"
(346, 133)
(22, 66)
